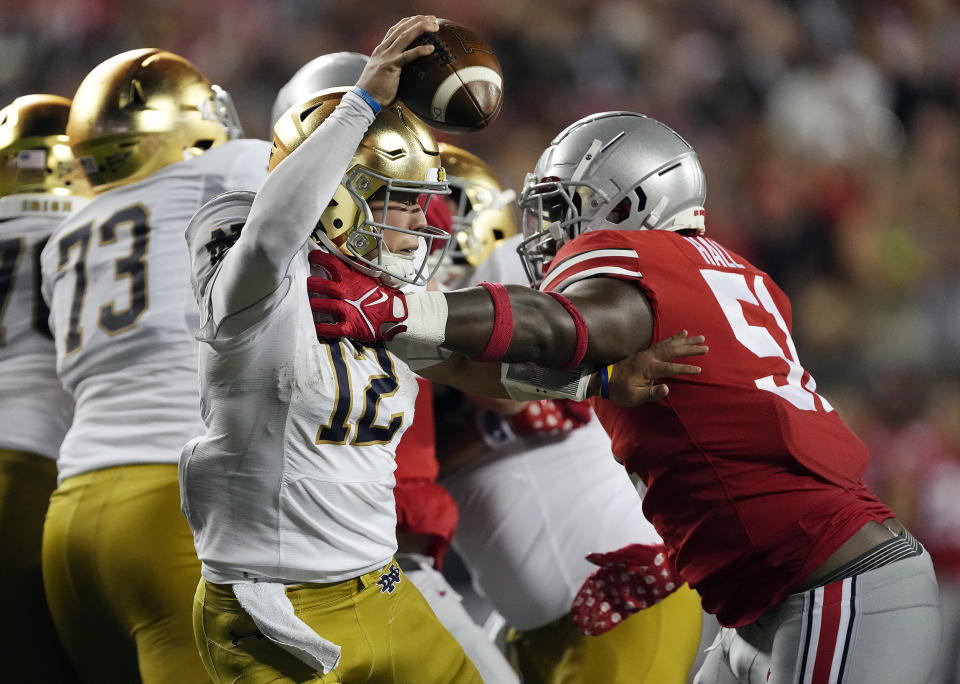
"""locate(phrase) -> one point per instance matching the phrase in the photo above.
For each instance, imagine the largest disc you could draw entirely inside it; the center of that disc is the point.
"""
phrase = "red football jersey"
(752, 479)
(423, 506)
(417, 450)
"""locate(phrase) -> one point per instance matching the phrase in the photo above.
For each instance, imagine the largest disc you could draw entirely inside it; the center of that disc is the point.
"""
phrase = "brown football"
(459, 86)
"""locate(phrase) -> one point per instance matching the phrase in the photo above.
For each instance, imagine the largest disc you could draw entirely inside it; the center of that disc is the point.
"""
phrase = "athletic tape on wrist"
(426, 319)
(502, 331)
(580, 349)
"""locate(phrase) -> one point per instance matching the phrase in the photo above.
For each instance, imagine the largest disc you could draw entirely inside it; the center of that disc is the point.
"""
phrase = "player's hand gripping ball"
(459, 86)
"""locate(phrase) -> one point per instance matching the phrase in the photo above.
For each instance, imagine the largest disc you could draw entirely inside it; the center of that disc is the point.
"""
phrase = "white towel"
(272, 612)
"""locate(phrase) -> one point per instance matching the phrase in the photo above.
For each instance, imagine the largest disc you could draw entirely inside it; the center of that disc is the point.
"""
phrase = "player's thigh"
(408, 642)
(654, 646)
(32, 651)
(658, 645)
(26, 483)
(897, 634)
(231, 647)
(95, 641)
(120, 561)
(385, 635)
(879, 626)
(152, 569)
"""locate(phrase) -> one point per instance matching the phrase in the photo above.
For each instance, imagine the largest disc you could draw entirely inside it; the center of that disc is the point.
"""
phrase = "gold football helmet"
(34, 153)
(484, 216)
(398, 155)
(142, 110)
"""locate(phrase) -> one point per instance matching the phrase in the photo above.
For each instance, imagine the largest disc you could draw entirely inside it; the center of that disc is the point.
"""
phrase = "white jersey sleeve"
(117, 277)
(286, 210)
(35, 411)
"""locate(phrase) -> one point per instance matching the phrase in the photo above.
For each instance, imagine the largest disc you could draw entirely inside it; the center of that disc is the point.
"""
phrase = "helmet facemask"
(351, 226)
(551, 215)
(476, 204)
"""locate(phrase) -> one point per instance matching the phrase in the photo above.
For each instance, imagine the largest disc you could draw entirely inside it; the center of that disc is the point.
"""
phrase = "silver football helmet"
(335, 70)
(613, 170)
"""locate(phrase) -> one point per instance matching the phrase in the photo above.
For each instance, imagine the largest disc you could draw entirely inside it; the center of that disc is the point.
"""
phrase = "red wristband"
(582, 336)
(502, 332)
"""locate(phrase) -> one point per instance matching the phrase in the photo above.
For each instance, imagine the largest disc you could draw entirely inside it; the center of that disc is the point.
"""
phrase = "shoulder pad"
(214, 228)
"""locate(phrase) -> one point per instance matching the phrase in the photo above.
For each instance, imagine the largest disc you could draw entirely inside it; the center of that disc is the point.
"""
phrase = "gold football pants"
(120, 570)
(386, 637)
(30, 649)
(654, 646)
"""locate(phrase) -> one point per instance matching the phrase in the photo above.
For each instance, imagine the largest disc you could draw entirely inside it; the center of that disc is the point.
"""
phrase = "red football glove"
(629, 580)
(549, 416)
(348, 303)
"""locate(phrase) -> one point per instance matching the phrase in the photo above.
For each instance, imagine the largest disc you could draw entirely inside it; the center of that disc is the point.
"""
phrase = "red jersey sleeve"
(595, 253)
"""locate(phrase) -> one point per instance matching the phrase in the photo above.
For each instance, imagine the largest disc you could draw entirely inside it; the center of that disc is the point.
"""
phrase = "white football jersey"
(116, 276)
(35, 410)
(532, 509)
(293, 479)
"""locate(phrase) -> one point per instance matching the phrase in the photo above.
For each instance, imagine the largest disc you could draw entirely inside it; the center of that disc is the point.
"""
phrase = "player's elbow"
(549, 335)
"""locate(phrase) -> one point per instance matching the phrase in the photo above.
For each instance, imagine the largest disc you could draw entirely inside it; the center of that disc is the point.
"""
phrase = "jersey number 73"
(132, 266)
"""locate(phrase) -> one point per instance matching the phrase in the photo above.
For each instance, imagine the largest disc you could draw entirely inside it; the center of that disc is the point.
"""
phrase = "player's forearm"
(539, 329)
(542, 331)
(298, 190)
(467, 375)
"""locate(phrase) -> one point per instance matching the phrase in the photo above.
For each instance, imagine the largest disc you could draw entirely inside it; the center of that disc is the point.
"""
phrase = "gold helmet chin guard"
(35, 155)
(142, 110)
(398, 154)
(484, 217)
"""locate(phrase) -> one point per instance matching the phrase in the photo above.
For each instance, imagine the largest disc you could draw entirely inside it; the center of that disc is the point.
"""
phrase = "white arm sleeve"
(287, 208)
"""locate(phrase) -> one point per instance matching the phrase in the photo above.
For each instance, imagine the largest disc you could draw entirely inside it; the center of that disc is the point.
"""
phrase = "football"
(459, 86)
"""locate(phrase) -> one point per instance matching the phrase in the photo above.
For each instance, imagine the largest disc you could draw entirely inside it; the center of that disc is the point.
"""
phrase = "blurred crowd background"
(829, 132)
